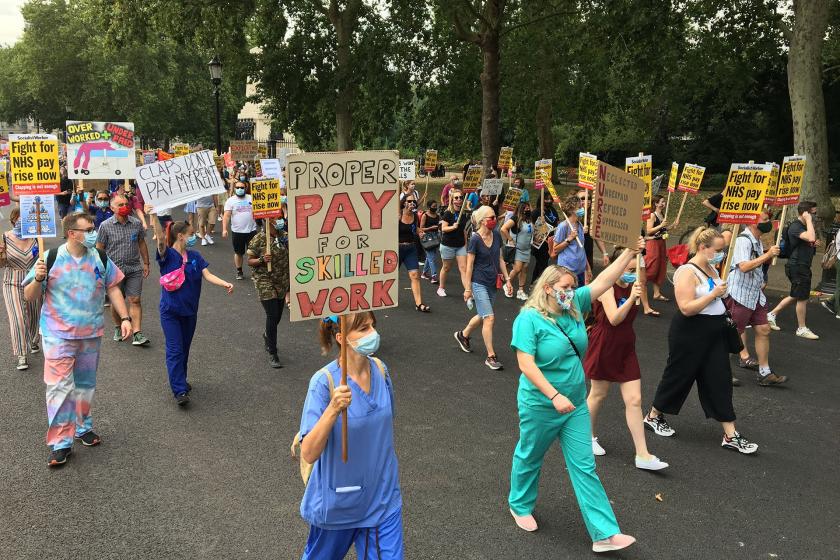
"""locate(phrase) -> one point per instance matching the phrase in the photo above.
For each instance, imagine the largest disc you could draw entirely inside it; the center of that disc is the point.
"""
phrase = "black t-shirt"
(801, 251)
(408, 232)
(66, 186)
(455, 238)
(715, 200)
(431, 221)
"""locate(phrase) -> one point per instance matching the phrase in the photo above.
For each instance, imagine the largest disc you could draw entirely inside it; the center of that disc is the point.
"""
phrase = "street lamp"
(215, 67)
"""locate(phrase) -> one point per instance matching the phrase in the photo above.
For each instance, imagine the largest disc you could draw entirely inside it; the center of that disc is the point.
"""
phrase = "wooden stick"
(638, 275)
(731, 251)
(682, 205)
(586, 209)
(426, 191)
(342, 360)
(268, 243)
(574, 229)
(667, 206)
(781, 228)
(38, 223)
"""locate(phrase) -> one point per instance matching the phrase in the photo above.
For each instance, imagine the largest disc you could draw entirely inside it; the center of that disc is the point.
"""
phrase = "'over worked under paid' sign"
(343, 252)
(744, 194)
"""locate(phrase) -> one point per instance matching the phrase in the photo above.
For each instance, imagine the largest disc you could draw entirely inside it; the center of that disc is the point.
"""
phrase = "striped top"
(745, 287)
(18, 262)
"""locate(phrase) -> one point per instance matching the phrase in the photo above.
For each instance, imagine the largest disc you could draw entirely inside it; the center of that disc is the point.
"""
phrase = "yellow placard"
(691, 178)
(743, 197)
(34, 163)
(473, 178)
(180, 149)
(263, 151)
(770, 197)
(790, 180)
(642, 167)
(265, 197)
(587, 170)
(512, 199)
(430, 163)
(672, 179)
(505, 157)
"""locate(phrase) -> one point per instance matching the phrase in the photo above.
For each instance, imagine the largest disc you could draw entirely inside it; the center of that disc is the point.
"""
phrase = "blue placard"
(29, 209)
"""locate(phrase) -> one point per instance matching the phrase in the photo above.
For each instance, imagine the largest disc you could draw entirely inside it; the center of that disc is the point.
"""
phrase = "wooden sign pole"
(342, 360)
(268, 243)
(638, 275)
(735, 230)
(586, 209)
(682, 205)
(667, 206)
(38, 225)
(781, 228)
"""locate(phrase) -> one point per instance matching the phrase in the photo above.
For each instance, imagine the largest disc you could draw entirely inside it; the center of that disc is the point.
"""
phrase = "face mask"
(243, 178)
(765, 227)
(717, 259)
(240, 192)
(628, 277)
(564, 298)
(191, 240)
(579, 212)
(283, 199)
(366, 345)
(102, 204)
(90, 239)
(490, 223)
(124, 211)
(279, 224)
(433, 209)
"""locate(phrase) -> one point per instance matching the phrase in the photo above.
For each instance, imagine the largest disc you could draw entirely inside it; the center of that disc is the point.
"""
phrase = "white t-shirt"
(241, 214)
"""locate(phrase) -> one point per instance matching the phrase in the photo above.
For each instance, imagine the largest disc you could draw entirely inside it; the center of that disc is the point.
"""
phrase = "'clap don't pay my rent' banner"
(343, 252)
(176, 181)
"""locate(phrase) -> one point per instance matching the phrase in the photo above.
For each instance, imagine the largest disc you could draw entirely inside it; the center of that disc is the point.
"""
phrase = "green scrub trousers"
(538, 429)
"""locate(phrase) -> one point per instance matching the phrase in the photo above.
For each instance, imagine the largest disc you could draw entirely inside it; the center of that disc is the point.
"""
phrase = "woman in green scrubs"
(550, 340)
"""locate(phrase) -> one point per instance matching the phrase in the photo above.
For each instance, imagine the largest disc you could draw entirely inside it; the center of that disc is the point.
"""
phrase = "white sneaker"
(805, 332)
(597, 449)
(771, 320)
(22, 365)
(652, 464)
(204, 242)
(521, 295)
(441, 292)
(209, 239)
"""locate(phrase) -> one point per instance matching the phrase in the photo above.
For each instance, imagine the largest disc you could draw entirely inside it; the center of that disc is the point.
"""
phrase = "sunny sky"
(11, 22)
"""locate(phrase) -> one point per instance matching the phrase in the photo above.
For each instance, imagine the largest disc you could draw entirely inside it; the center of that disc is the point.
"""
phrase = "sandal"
(652, 313)
(749, 363)
(660, 297)
(423, 308)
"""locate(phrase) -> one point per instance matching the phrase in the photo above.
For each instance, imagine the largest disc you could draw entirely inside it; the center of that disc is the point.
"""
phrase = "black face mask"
(765, 227)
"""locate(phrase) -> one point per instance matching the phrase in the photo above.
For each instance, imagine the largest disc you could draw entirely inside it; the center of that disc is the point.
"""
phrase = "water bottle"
(471, 304)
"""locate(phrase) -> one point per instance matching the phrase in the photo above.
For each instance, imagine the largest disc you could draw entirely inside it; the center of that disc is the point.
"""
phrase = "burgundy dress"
(611, 355)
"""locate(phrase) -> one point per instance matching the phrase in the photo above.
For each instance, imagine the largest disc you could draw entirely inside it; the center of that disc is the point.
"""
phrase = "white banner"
(408, 169)
(271, 168)
(171, 183)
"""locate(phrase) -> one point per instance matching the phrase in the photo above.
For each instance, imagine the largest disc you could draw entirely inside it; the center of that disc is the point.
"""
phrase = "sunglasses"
(456, 198)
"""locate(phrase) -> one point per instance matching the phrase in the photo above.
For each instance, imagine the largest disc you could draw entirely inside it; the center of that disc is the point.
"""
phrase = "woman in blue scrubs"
(549, 337)
(358, 502)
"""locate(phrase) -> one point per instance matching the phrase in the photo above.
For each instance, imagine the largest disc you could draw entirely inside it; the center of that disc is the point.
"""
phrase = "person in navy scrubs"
(359, 502)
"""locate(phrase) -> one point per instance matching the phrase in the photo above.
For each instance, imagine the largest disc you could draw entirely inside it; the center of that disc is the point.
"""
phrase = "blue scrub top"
(573, 256)
(183, 301)
(366, 490)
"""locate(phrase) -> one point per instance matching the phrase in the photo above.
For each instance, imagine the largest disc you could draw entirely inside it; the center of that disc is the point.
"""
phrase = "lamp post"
(215, 67)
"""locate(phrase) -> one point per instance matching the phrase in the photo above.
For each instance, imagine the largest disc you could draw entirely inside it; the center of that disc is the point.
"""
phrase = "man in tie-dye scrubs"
(72, 325)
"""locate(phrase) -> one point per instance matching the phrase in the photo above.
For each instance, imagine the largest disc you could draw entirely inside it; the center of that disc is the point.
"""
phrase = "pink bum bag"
(172, 281)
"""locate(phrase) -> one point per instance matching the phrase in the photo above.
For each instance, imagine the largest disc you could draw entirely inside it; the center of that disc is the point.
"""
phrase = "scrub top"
(534, 334)
(182, 302)
(366, 490)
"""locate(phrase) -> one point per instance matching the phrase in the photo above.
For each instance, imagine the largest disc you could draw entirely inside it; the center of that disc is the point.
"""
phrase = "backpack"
(785, 248)
(306, 468)
(103, 260)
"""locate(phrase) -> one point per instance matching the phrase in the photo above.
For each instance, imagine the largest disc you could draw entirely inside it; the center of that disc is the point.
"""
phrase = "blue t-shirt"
(473, 200)
(100, 215)
(183, 301)
(535, 334)
(365, 490)
(486, 263)
(573, 256)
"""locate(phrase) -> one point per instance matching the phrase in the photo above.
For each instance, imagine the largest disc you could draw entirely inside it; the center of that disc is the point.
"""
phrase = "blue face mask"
(279, 224)
(191, 240)
(564, 298)
(718, 258)
(90, 239)
(240, 192)
(629, 277)
(579, 212)
(102, 204)
(366, 345)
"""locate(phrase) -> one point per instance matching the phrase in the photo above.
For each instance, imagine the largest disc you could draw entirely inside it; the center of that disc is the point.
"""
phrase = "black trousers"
(540, 261)
(273, 315)
(697, 352)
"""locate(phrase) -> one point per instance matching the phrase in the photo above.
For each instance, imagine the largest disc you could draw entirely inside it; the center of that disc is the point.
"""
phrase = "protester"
(656, 258)
(802, 239)
(17, 257)
(79, 200)
(549, 216)
(205, 209)
(519, 183)
(833, 306)
(181, 273)
(408, 240)
(486, 272)
(358, 502)
(698, 350)
(588, 241)
(747, 302)
(518, 232)
(239, 217)
(63, 198)
(611, 358)
(568, 242)
(135, 198)
(191, 213)
(101, 211)
(409, 189)
(549, 338)
(453, 238)
(122, 237)
(430, 225)
(72, 325)
(272, 285)
(454, 183)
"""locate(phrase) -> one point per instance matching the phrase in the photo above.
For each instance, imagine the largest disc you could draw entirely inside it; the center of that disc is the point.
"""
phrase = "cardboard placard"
(30, 205)
(512, 199)
(505, 158)
(270, 168)
(262, 151)
(618, 201)
(672, 178)
(180, 149)
(743, 196)
(492, 187)
(791, 177)
(473, 178)
(100, 150)
(542, 173)
(587, 170)
(170, 183)
(244, 150)
(430, 163)
(34, 163)
(265, 197)
(642, 167)
(5, 199)
(542, 231)
(691, 178)
(770, 197)
(408, 170)
(148, 157)
(343, 251)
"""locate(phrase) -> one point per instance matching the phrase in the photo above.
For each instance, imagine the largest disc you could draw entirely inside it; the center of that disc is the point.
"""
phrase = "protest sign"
(587, 170)
(691, 178)
(229, 162)
(542, 231)
(790, 180)
(244, 150)
(512, 199)
(492, 187)
(258, 168)
(672, 178)
(343, 252)
(408, 169)
(542, 173)
(430, 163)
(100, 150)
(37, 216)
(170, 183)
(743, 196)
(770, 197)
(148, 157)
(265, 197)
(642, 167)
(5, 199)
(618, 201)
(262, 151)
(270, 168)
(505, 157)
(180, 149)
(34, 163)
(473, 179)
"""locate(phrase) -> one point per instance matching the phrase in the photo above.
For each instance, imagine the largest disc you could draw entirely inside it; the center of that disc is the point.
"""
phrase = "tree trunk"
(491, 84)
(807, 103)
(545, 138)
(344, 22)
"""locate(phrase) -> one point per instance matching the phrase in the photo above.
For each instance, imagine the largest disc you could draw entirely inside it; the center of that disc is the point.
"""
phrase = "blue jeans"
(431, 267)
(178, 331)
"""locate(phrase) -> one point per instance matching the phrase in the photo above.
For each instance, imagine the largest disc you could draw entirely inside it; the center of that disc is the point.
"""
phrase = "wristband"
(124, 319)
(555, 396)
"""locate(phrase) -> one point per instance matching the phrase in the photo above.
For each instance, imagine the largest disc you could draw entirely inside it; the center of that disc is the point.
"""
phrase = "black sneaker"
(89, 439)
(659, 425)
(239, 275)
(739, 444)
(59, 456)
(182, 399)
(274, 361)
(463, 341)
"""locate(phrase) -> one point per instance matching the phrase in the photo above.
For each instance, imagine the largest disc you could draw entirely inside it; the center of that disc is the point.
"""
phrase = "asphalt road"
(216, 481)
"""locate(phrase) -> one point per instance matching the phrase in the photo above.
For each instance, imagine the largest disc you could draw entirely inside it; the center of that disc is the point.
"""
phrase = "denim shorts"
(408, 256)
(448, 253)
(484, 298)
